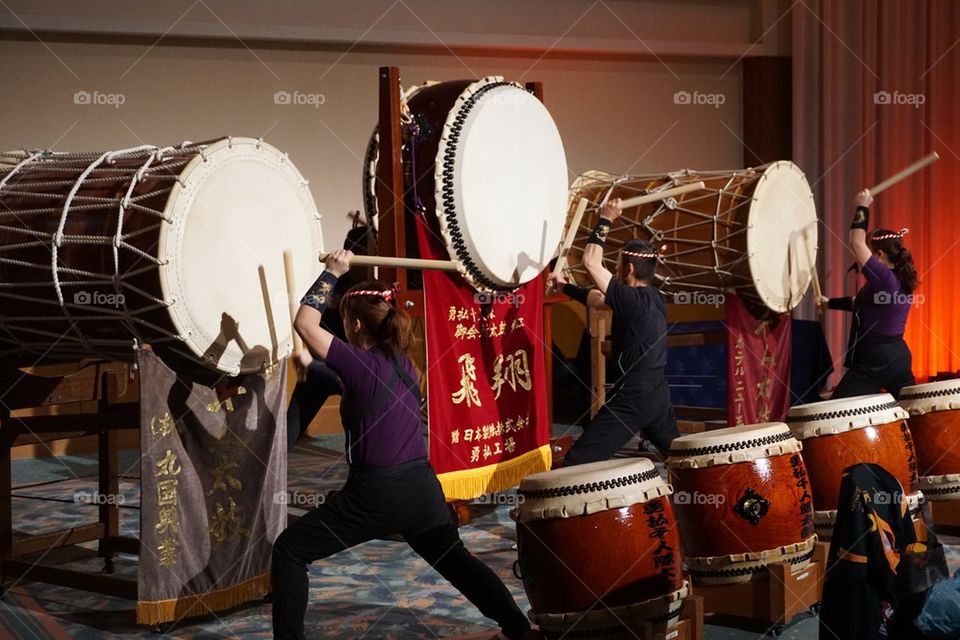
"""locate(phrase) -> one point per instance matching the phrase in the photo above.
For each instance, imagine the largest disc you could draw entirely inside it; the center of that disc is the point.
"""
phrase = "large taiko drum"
(837, 434)
(754, 231)
(177, 247)
(599, 551)
(934, 410)
(742, 498)
(484, 161)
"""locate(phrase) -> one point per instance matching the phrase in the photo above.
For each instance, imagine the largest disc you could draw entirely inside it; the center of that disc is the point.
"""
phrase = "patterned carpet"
(380, 590)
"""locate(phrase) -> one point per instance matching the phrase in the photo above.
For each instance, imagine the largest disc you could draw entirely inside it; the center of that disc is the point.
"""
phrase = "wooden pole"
(389, 262)
(905, 173)
(571, 236)
(292, 298)
(661, 195)
(391, 238)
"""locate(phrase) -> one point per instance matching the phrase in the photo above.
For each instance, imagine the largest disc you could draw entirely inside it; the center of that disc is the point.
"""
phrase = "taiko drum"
(934, 410)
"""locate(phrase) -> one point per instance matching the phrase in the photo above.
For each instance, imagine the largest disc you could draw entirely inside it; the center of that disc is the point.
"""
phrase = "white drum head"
(932, 396)
(843, 414)
(782, 236)
(239, 207)
(502, 201)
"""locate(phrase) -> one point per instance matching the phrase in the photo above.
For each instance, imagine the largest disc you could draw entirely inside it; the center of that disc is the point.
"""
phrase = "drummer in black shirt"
(639, 401)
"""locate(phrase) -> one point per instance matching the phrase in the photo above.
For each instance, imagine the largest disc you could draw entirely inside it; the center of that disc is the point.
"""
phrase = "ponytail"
(372, 304)
(891, 243)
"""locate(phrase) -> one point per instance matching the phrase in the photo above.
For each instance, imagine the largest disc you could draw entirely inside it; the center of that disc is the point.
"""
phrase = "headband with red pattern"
(388, 295)
(646, 254)
(890, 236)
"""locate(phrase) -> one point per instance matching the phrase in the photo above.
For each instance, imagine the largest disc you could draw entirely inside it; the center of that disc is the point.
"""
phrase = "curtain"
(875, 88)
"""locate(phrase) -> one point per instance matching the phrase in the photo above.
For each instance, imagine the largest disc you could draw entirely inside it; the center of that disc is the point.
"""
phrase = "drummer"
(639, 402)
(877, 357)
(391, 487)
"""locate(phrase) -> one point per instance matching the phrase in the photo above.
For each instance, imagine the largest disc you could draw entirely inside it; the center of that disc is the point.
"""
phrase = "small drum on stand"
(837, 434)
(599, 551)
(743, 502)
(934, 410)
(754, 231)
(177, 247)
(485, 164)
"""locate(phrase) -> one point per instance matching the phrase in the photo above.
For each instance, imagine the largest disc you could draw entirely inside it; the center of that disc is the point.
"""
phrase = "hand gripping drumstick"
(900, 175)
(292, 299)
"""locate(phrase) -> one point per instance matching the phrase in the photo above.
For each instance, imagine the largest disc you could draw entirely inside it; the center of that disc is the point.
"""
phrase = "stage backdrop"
(875, 88)
(213, 480)
(486, 381)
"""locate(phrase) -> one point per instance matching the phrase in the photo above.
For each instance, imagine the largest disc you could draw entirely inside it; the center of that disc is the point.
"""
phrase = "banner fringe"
(159, 611)
(470, 483)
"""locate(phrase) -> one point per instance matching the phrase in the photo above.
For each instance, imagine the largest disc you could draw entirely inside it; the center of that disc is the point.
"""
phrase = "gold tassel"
(159, 611)
(470, 483)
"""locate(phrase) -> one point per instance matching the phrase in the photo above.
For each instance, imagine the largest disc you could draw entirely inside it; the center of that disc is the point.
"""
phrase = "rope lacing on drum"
(745, 571)
(924, 395)
(765, 441)
(842, 413)
(591, 487)
(447, 196)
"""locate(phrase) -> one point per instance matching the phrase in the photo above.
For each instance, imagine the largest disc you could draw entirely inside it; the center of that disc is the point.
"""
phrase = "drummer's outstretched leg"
(444, 550)
(660, 423)
(611, 429)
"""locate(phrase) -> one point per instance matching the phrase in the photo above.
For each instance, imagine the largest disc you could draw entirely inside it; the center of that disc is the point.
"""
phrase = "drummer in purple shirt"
(391, 487)
(877, 358)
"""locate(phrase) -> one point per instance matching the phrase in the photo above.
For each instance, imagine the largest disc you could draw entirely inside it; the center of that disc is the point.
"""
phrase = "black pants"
(637, 406)
(404, 499)
(308, 396)
(874, 366)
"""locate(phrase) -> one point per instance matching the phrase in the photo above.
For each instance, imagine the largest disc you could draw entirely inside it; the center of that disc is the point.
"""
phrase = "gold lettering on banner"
(224, 456)
(162, 425)
(226, 523)
(167, 552)
(168, 520)
(468, 376)
(167, 492)
(455, 436)
(168, 465)
(513, 370)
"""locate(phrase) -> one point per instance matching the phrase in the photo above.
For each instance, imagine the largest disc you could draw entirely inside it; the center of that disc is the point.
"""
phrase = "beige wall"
(614, 115)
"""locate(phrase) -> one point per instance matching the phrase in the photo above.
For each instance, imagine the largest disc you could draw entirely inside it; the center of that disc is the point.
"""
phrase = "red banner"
(486, 385)
(759, 365)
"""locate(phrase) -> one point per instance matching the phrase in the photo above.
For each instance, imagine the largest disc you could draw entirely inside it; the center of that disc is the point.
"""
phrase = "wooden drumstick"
(405, 263)
(571, 235)
(291, 298)
(900, 175)
(661, 195)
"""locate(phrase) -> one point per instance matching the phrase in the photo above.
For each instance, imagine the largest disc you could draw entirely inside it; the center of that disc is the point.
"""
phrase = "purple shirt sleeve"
(880, 277)
(355, 367)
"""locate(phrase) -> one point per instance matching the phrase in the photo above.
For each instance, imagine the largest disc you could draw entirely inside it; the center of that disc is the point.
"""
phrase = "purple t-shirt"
(380, 415)
(881, 307)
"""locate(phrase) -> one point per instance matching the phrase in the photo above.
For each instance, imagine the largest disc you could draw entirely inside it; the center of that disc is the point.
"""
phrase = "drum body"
(934, 410)
(483, 160)
(837, 434)
(603, 530)
(178, 247)
(742, 499)
(753, 231)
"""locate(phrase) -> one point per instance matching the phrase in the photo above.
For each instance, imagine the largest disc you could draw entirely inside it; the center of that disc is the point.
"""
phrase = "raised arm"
(858, 229)
(593, 252)
(307, 323)
(589, 297)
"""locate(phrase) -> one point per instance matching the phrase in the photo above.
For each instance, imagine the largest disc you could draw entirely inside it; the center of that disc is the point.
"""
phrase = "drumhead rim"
(930, 397)
(849, 414)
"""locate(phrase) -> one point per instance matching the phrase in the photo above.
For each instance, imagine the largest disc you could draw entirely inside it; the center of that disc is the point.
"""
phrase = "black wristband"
(319, 294)
(840, 304)
(576, 293)
(861, 219)
(599, 235)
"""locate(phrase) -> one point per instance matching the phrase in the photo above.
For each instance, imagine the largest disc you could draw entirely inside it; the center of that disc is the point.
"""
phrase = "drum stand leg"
(774, 598)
